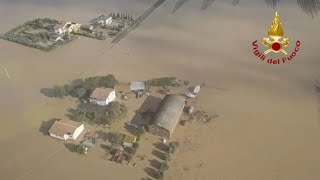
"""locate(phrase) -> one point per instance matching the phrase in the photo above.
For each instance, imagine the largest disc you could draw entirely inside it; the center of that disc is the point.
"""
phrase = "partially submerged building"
(102, 96)
(66, 129)
(102, 20)
(167, 116)
(66, 27)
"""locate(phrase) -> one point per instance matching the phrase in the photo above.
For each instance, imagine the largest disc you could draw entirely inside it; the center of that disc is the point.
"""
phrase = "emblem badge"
(275, 33)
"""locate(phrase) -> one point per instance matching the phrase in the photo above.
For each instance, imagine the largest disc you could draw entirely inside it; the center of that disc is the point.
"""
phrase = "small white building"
(103, 96)
(66, 129)
(64, 27)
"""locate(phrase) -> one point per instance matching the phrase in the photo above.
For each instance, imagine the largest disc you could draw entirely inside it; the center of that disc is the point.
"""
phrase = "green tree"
(173, 146)
(59, 91)
(39, 23)
(159, 175)
(167, 156)
(79, 92)
(163, 166)
(81, 149)
(90, 115)
(108, 81)
(115, 111)
(115, 138)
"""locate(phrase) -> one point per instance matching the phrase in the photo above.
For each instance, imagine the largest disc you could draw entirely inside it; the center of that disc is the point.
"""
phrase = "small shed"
(137, 86)
(128, 140)
(88, 143)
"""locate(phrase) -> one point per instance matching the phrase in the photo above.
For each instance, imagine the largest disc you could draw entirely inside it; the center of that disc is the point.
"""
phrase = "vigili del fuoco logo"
(276, 43)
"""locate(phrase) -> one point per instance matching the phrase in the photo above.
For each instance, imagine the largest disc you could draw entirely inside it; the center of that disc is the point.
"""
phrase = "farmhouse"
(103, 96)
(102, 20)
(167, 116)
(66, 27)
(66, 129)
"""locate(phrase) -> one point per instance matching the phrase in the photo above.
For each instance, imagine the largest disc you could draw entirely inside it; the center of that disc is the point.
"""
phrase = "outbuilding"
(129, 140)
(137, 86)
(103, 96)
(167, 116)
(66, 129)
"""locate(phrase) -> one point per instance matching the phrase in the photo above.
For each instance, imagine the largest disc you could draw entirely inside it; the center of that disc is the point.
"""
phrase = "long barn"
(167, 116)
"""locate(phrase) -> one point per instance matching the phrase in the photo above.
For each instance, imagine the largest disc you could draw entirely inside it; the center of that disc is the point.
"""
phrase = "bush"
(81, 149)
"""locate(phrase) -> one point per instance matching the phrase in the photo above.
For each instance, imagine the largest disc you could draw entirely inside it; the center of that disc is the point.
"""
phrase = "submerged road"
(137, 22)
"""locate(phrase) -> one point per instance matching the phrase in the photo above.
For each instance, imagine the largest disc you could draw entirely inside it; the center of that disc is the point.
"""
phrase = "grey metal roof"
(137, 85)
(169, 112)
(88, 143)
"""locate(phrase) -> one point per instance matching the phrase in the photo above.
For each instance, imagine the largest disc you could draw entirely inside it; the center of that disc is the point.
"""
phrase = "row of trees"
(82, 88)
(163, 81)
(172, 147)
(121, 15)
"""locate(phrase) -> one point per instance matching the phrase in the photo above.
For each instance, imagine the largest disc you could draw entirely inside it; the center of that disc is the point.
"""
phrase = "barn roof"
(169, 112)
(101, 93)
(61, 127)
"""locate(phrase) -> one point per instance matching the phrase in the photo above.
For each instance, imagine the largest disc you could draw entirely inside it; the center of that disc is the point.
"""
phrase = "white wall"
(101, 103)
(109, 20)
(111, 97)
(58, 137)
(77, 132)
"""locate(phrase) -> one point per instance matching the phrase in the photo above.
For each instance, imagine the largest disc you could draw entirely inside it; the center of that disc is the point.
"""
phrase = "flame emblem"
(275, 33)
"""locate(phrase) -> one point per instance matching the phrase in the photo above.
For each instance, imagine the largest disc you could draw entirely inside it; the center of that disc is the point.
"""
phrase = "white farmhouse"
(66, 129)
(102, 20)
(64, 27)
(103, 96)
